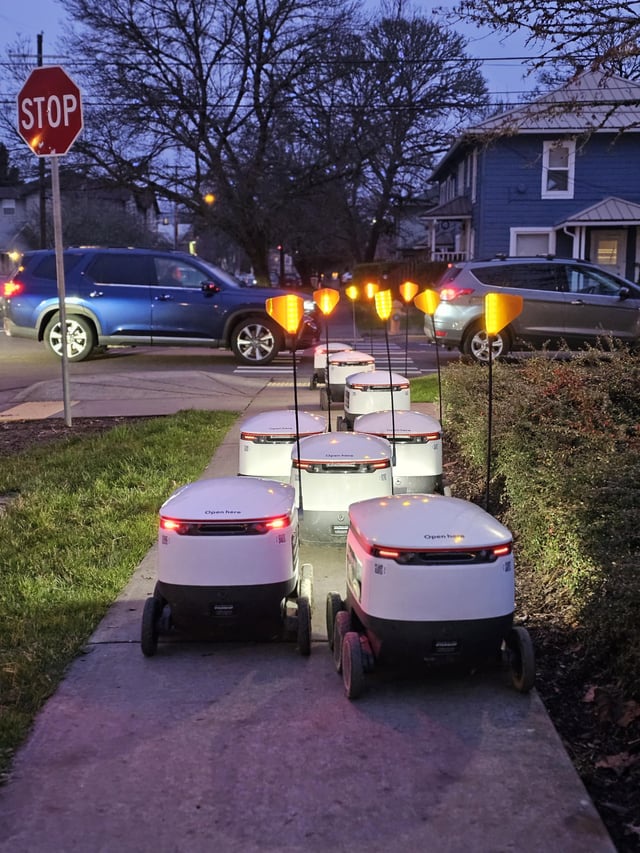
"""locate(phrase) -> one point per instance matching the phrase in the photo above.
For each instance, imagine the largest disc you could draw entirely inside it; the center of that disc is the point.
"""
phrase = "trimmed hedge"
(566, 474)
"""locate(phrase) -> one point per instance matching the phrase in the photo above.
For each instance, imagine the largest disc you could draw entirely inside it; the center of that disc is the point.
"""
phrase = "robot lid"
(426, 523)
(334, 346)
(230, 499)
(342, 448)
(282, 422)
(351, 358)
(377, 380)
(401, 423)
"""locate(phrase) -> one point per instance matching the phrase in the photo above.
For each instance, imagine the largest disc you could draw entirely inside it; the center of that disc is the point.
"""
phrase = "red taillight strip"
(261, 525)
(254, 436)
(394, 553)
(399, 386)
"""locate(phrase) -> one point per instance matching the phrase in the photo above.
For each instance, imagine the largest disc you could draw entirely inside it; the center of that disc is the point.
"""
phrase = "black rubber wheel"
(341, 627)
(304, 627)
(522, 661)
(475, 344)
(352, 668)
(305, 582)
(256, 341)
(149, 630)
(81, 338)
(334, 606)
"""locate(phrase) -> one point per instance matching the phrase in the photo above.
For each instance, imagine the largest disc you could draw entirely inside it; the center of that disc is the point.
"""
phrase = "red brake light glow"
(12, 288)
(451, 292)
(173, 525)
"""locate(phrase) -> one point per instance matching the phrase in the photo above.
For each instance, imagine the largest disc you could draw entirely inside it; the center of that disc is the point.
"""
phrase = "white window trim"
(515, 232)
(546, 148)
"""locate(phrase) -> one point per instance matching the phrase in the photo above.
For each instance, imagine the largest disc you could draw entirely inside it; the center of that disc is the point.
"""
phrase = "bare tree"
(402, 88)
(600, 35)
(194, 98)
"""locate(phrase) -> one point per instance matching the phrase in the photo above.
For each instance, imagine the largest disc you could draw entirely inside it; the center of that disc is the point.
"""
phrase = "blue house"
(559, 176)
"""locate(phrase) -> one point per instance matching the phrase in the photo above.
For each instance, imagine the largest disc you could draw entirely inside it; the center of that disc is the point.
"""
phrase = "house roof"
(457, 208)
(592, 101)
(609, 211)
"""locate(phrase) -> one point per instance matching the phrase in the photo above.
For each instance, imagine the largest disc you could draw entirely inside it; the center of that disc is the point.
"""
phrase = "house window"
(529, 242)
(8, 208)
(558, 164)
(607, 253)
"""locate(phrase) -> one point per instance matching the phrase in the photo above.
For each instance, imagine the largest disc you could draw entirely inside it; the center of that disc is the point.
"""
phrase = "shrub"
(566, 474)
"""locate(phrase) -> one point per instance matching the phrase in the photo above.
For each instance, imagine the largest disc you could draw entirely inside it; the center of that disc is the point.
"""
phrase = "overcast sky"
(505, 77)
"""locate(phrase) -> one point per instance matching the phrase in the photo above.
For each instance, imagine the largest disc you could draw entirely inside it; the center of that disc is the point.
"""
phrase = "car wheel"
(352, 667)
(476, 344)
(256, 341)
(81, 338)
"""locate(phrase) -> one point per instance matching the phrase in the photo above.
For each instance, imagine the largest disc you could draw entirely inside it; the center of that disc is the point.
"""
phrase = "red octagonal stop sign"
(49, 111)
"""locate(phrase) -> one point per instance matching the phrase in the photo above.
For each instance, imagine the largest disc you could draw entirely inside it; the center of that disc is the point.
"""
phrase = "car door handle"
(164, 297)
(577, 302)
(95, 293)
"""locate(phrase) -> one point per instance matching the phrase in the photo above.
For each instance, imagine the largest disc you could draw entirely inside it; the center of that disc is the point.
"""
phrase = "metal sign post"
(57, 232)
(49, 120)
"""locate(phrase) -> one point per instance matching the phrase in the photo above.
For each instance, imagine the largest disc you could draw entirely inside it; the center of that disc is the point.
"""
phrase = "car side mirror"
(209, 288)
(624, 293)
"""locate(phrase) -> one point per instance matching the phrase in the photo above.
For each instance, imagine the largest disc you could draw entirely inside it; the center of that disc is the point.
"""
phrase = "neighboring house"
(556, 176)
(20, 205)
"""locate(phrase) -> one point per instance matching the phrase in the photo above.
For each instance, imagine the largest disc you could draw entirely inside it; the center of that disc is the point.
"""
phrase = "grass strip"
(424, 389)
(84, 516)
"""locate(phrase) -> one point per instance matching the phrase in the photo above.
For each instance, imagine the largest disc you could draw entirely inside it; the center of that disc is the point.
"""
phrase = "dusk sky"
(30, 17)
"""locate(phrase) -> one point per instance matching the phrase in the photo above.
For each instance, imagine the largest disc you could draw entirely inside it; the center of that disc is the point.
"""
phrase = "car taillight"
(12, 288)
(449, 293)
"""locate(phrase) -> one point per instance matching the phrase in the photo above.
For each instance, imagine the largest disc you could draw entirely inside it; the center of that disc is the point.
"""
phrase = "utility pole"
(41, 173)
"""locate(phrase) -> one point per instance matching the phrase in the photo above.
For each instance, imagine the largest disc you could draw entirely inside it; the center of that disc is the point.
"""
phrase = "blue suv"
(147, 298)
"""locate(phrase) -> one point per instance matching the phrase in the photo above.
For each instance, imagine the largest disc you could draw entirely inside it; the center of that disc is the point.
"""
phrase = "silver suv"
(565, 300)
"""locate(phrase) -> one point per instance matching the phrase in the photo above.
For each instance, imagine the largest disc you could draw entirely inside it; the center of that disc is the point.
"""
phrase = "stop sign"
(49, 111)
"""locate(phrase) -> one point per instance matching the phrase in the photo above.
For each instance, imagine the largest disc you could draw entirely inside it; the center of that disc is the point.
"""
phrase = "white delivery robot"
(341, 365)
(228, 564)
(430, 579)
(417, 441)
(266, 440)
(333, 470)
(372, 392)
(318, 377)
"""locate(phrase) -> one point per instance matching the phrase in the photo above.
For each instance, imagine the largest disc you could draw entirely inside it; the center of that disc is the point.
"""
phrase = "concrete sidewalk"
(246, 747)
